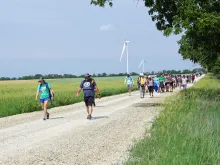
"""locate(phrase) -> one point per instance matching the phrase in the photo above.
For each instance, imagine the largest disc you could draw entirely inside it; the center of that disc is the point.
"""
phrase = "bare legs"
(89, 109)
(129, 91)
(44, 108)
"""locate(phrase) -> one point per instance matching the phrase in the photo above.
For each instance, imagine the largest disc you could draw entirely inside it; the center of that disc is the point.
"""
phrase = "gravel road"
(69, 138)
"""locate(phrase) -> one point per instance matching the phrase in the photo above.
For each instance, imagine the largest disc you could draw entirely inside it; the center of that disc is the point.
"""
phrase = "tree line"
(197, 20)
(58, 76)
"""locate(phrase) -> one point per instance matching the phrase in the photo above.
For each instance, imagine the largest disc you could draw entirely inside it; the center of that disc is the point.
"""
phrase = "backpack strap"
(47, 86)
(92, 81)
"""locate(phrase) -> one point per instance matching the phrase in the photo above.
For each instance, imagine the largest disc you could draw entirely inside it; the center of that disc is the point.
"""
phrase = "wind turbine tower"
(142, 63)
(125, 46)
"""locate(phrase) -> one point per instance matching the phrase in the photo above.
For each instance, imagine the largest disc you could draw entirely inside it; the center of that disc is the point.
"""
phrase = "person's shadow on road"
(99, 117)
(52, 118)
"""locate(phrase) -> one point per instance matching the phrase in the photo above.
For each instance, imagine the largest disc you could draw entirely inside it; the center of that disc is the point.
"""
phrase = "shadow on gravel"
(155, 97)
(99, 117)
(148, 105)
(56, 118)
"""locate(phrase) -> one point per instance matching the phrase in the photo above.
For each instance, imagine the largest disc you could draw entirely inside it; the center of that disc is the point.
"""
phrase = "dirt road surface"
(69, 138)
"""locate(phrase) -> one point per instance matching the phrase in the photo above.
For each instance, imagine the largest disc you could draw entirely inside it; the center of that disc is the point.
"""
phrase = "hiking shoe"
(48, 116)
(89, 117)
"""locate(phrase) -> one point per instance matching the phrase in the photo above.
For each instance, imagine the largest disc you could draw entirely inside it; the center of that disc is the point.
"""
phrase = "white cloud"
(108, 27)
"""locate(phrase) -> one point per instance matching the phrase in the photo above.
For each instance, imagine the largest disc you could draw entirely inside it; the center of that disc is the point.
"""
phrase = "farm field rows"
(19, 96)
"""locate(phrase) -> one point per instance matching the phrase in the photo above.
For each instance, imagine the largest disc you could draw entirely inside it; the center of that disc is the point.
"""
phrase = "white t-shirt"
(184, 80)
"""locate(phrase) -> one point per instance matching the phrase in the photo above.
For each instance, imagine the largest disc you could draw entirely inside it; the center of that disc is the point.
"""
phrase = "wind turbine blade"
(140, 64)
(122, 51)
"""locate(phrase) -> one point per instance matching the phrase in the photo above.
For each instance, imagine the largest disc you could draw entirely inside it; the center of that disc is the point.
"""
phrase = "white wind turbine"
(123, 50)
(142, 63)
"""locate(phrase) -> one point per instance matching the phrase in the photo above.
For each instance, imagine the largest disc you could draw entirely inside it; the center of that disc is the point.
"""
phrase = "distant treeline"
(57, 76)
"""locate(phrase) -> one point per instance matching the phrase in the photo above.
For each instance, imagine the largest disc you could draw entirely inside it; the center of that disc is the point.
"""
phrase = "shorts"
(171, 84)
(89, 100)
(161, 85)
(129, 86)
(184, 85)
(167, 83)
(45, 99)
(151, 88)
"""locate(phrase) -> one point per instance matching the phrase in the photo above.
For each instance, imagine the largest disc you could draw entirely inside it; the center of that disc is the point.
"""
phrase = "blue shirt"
(129, 80)
(88, 87)
(156, 80)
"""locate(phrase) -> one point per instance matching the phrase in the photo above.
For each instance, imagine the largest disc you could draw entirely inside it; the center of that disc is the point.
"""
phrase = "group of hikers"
(159, 83)
(162, 83)
(88, 85)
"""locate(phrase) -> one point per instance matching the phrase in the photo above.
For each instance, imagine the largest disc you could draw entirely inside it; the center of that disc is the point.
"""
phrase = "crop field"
(19, 96)
(187, 131)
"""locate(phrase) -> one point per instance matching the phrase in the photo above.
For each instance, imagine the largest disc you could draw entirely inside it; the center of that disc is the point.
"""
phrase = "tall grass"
(19, 96)
(187, 132)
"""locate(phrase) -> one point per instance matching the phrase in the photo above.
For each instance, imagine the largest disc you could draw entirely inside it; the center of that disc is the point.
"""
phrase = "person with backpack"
(129, 82)
(161, 83)
(156, 83)
(167, 82)
(179, 80)
(184, 81)
(145, 84)
(89, 87)
(141, 81)
(46, 94)
(193, 78)
(150, 85)
(138, 84)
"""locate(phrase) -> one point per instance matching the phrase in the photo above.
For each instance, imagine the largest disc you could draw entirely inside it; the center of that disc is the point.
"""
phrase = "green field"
(187, 132)
(19, 96)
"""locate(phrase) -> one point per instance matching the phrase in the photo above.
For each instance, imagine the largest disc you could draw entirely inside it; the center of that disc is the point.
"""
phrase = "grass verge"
(187, 132)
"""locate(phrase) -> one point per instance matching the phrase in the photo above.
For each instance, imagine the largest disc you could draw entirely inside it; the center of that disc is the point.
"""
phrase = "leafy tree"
(56, 76)
(186, 71)
(104, 74)
(197, 20)
(134, 73)
(36, 76)
(102, 3)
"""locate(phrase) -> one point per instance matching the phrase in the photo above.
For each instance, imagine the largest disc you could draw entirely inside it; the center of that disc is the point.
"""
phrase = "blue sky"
(71, 36)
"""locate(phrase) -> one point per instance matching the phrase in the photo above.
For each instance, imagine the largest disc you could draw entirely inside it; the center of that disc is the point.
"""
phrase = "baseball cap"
(41, 79)
(87, 75)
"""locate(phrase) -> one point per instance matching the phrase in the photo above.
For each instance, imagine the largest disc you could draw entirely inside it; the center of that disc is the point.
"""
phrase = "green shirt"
(161, 79)
(44, 91)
